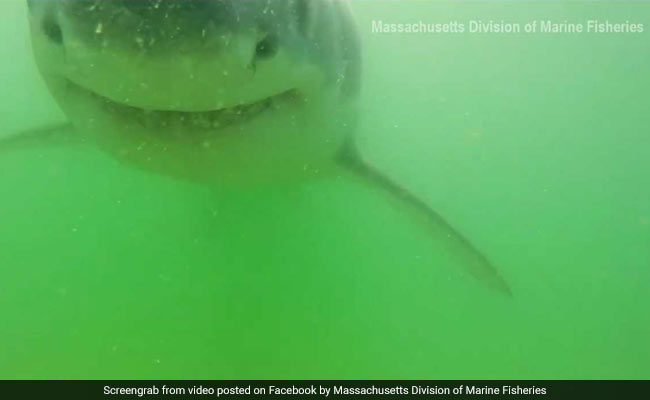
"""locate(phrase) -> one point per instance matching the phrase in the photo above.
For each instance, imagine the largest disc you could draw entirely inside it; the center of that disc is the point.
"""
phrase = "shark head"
(208, 90)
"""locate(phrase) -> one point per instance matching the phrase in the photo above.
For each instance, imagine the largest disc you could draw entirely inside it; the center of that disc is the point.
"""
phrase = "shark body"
(220, 91)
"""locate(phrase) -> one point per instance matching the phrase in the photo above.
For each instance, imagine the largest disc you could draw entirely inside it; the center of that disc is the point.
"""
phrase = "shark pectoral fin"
(460, 248)
(53, 135)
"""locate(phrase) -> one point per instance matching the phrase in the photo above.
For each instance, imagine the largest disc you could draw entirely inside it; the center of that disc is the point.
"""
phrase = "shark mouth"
(189, 121)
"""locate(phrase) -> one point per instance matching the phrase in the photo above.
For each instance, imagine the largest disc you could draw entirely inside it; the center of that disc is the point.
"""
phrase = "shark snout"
(192, 55)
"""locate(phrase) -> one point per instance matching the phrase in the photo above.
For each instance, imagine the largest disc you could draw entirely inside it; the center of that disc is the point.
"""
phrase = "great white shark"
(227, 92)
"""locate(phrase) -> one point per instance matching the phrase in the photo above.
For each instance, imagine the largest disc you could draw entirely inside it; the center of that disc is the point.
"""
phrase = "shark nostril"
(52, 30)
(267, 47)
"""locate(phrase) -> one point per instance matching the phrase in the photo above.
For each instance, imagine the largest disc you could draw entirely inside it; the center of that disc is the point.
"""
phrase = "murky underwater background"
(535, 146)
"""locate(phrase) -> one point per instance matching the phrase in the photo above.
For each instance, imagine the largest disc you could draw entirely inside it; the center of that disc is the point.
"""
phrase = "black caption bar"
(172, 390)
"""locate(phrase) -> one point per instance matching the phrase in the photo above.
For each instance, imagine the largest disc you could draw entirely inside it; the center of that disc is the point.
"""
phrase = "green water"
(535, 146)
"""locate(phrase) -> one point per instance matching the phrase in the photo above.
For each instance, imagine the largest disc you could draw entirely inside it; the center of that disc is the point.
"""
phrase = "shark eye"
(52, 30)
(267, 47)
